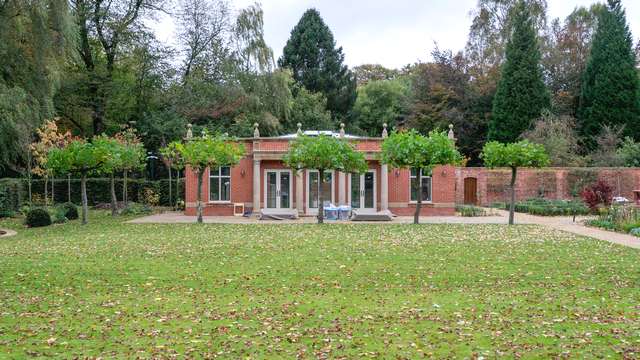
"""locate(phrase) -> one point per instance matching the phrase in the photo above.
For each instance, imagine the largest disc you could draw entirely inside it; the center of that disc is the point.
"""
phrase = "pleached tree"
(202, 153)
(521, 94)
(324, 153)
(411, 150)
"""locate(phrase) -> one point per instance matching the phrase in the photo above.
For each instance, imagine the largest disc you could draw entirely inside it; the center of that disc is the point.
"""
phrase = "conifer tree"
(317, 64)
(521, 94)
(610, 86)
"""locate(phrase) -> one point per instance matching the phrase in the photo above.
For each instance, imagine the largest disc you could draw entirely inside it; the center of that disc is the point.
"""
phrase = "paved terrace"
(562, 223)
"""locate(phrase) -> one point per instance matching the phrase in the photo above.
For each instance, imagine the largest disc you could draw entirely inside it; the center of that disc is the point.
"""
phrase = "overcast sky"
(388, 32)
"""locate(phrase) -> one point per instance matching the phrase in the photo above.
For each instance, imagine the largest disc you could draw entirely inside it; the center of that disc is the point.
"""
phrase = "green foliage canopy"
(521, 94)
(409, 149)
(78, 157)
(611, 84)
(380, 102)
(317, 64)
(514, 155)
(324, 153)
(200, 153)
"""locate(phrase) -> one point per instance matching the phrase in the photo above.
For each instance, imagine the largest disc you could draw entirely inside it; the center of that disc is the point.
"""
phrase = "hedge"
(546, 207)
(15, 193)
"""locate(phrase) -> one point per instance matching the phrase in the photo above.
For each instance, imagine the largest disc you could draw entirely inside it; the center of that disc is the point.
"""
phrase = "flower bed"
(621, 218)
(545, 207)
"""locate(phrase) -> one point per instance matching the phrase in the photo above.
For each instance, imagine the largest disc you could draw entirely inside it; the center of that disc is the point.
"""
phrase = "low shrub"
(136, 209)
(150, 197)
(57, 214)
(70, 210)
(628, 226)
(6, 208)
(470, 211)
(635, 232)
(623, 218)
(598, 194)
(605, 224)
(546, 207)
(499, 205)
(37, 217)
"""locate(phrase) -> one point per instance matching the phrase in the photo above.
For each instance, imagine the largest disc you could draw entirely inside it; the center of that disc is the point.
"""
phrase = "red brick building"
(262, 182)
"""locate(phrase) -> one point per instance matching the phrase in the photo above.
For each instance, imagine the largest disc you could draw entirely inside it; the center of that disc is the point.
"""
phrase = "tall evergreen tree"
(317, 64)
(610, 87)
(521, 94)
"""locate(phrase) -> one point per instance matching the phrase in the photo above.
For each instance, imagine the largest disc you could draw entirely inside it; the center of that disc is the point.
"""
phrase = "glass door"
(284, 188)
(356, 193)
(272, 190)
(363, 191)
(277, 189)
(313, 188)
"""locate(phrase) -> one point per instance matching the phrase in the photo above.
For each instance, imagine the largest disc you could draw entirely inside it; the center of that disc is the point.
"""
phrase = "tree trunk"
(85, 204)
(125, 191)
(199, 196)
(46, 190)
(170, 185)
(114, 199)
(513, 195)
(177, 187)
(320, 197)
(68, 187)
(416, 215)
(30, 177)
(53, 191)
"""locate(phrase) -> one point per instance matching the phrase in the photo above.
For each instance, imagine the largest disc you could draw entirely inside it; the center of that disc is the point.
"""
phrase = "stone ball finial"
(299, 131)
(385, 133)
(256, 131)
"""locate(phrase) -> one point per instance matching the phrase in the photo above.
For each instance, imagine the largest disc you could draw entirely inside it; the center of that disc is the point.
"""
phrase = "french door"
(313, 188)
(363, 191)
(277, 194)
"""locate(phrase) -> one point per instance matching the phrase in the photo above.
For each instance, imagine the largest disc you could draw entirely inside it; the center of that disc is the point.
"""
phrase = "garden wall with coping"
(492, 185)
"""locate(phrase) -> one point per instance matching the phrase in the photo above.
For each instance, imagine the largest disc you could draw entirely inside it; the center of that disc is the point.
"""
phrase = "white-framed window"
(220, 184)
(425, 188)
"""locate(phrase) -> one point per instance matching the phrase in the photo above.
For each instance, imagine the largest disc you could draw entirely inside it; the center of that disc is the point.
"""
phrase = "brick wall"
(551, 183)
(443, 194)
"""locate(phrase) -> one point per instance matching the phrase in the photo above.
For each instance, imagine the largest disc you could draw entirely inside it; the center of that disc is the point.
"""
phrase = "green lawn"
(279, 291)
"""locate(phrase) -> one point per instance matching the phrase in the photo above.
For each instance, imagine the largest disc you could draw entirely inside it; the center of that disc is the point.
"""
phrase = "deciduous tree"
(82, 158)
(380, 102)
(324, 153)
(207, 152)
(410, 150)
(514, 156)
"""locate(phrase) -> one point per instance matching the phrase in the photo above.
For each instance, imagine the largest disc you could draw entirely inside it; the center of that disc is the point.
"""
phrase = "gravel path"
(499, 217)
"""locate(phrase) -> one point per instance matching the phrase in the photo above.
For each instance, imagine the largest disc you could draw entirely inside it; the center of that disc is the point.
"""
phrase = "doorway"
(363, 191)
(313, 188)
(471, 191)
(277, 185)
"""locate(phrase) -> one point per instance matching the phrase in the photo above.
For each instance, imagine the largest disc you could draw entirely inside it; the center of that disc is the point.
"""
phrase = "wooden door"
(470, 191)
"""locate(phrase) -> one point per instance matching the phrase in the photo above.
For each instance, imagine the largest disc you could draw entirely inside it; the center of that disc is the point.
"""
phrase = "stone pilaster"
(384, 187)
(299, 192)
(256, 187)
